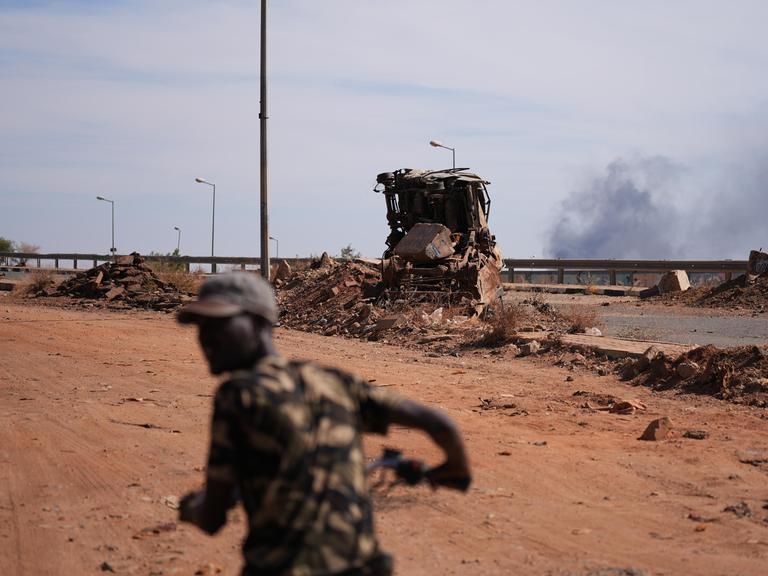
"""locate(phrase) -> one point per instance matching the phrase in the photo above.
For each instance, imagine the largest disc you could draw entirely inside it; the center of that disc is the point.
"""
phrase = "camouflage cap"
(231, 294)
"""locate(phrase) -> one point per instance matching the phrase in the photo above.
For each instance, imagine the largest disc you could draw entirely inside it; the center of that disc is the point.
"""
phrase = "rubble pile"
(348, 299)
(739, 374)
(128, 282)
(330, 297)
(748, 291)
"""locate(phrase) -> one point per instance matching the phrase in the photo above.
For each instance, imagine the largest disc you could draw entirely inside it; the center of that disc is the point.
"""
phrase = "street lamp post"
(438, 144)
(277, 247)
(213, 217)
(178, 240)
(263, 180)
(112, 250)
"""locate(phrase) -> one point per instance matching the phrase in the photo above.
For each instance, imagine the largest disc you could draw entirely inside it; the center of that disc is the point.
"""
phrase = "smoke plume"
(718, 212)
(620, 215)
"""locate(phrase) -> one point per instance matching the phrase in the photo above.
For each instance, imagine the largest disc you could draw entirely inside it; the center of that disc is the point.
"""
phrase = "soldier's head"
(234, 314)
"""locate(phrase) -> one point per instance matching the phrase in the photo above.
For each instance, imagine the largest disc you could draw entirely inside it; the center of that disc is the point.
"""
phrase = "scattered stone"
(687, 369)
(617, 572)
(593, 331)
(569, 378)
(644, 361)
(106, 567)
(740, 509)
(513, 349)
(696, 434)
(658, 429)
(530, 348)
(388, 323)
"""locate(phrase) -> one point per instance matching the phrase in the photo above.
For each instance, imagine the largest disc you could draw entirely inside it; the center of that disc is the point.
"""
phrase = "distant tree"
(6, 245)
(164, 265)
(349, 253)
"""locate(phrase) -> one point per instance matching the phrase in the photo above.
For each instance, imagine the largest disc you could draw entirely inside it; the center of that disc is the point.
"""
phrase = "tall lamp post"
(438, 144)
(112, 250)
(265, 267)
(178, 240)
(277, 247)
(213, 216)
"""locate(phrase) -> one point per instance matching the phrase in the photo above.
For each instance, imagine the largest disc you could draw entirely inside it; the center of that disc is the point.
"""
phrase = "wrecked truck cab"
(439, 240)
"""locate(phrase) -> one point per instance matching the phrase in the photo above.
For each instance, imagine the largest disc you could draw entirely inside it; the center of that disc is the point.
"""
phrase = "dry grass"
(503, 323)
(183, 281)
(38, 281)
(579, 318)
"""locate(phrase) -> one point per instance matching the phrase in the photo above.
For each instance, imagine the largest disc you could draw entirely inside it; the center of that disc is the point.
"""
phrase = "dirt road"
(104, 415)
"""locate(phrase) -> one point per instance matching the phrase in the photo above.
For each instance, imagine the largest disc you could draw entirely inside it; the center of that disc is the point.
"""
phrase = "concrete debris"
(739, 374)
(593, 331)
(530, 348)
(658, 429)
(696, 434)
(758, 263)
(740, 509)
(129, 281)
(425, 242)
(687, 369)
(283, 272)
(674, 281)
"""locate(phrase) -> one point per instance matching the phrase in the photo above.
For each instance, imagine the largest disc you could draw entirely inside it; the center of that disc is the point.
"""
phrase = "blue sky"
(133, 99)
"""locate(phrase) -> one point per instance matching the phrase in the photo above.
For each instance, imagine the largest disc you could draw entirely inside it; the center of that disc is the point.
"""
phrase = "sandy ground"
(104, 420)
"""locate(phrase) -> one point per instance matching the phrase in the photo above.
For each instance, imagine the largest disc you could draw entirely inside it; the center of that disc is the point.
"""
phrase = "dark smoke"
(620, 215)
(628, 213)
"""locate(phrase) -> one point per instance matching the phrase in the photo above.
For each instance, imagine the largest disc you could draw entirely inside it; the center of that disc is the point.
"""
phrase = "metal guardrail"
(512, 264)
(616, 266)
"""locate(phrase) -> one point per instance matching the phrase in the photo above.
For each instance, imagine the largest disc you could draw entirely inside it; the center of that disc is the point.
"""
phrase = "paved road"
(690, 328)
(631, 318)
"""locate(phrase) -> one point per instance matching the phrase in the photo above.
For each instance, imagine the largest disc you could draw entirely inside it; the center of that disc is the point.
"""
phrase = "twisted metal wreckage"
(440, 242)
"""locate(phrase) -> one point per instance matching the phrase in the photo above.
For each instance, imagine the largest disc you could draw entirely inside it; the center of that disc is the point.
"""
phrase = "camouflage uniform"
(288, 434)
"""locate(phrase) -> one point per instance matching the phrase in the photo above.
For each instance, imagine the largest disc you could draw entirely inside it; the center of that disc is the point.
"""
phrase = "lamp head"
(176, 228)
(436, 143)
(100, 198)
(201, 181)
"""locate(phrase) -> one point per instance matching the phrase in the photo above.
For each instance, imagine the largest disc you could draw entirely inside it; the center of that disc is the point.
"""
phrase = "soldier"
(286, 438)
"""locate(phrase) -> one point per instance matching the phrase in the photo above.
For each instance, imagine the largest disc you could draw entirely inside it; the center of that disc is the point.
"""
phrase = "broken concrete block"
(657, 430)
(674, 281)
(687, 369)
(425, 242)
(530, 348)
(758, 263)
(643, 362)
(513, 349)
(389, 322)
(114, 293)
(283, 271)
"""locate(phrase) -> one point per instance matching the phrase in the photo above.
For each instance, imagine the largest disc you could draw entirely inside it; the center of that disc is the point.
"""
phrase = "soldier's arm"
(379, 409)
(443, 432)
(208, 508)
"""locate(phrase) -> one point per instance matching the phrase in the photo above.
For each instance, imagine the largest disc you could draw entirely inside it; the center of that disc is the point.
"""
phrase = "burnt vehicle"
(440, 242)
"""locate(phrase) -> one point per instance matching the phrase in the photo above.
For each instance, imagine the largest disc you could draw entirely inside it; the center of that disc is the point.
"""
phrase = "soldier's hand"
(450, 475)
(190, 507)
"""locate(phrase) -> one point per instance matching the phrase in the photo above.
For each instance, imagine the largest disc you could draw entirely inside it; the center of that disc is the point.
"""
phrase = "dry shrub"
(188, 282)
(590, 289)
(579, 318)
(38, 281)
(503, 322)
